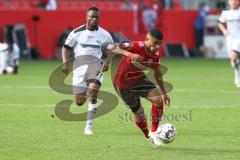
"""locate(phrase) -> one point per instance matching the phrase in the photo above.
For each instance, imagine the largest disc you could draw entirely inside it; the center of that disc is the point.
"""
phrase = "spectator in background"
(42, 4)
(47, 4)
(127, 4)
(199, 24)
(142, 5)
(149, 18)
(9, 57)
(51, 5)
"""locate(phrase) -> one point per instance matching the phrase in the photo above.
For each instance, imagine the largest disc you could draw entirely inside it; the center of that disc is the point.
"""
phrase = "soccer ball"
(166, 133)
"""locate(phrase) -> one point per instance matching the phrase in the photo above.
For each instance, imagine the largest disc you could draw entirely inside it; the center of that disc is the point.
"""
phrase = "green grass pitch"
(205, 107)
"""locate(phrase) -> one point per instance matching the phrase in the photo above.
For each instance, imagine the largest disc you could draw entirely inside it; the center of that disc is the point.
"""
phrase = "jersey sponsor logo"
(89, 45)
(90, 36)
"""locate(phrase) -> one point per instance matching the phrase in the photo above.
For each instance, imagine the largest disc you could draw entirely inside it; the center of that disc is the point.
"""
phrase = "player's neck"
(91, 28)
(147, 51)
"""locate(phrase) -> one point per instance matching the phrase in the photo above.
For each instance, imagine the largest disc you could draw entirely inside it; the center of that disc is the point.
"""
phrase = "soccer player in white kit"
(87, 41)
(230, 26)
(9, 57)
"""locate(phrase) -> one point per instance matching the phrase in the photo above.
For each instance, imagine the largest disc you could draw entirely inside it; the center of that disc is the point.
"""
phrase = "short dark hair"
(93, 9)
(156, 33)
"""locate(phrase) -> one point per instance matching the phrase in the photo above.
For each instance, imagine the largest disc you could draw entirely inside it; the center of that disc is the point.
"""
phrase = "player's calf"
(141, 121)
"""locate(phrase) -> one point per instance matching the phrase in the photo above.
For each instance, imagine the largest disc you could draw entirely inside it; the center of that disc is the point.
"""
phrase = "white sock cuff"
(91, 106)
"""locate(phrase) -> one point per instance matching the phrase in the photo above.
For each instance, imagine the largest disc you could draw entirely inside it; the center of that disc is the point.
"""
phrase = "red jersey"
(129, 72)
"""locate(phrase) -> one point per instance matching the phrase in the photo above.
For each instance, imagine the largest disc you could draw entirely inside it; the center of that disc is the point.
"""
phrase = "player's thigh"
(130, 99)
(79, 81)
(233, 46)
(146, 89)
(93, 88)
(235, 50)
(94, 72)
(155, 96)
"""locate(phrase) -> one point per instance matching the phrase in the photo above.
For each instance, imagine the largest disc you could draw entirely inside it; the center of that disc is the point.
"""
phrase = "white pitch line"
(184, 106)
(207, 91)
(202, 106)
(24, 87)
(29, 105)
(180, 90)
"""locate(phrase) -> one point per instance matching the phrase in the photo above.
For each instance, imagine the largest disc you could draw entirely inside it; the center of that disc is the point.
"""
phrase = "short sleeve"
(222, 18)
(108, 38)
(71, 40)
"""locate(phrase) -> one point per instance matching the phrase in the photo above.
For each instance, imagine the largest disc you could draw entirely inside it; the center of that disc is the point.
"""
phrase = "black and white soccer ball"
(166, 133)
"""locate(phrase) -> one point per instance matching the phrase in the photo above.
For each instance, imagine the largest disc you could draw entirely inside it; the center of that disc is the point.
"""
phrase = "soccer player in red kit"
(131, 83)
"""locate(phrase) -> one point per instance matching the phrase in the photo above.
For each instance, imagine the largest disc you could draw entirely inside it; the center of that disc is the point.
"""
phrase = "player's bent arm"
(114, 48)
(223, 28)
(65, 53)
(159, 78)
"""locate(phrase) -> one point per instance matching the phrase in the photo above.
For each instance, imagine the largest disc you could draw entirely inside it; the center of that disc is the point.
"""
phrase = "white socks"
(92, 108)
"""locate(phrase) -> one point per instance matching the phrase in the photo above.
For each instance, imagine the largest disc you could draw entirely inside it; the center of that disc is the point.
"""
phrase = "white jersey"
(86, 42)
(232, 19)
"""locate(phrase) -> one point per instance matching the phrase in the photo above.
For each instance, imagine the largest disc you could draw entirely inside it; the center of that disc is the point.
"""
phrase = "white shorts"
(233, 44)
(85, 72)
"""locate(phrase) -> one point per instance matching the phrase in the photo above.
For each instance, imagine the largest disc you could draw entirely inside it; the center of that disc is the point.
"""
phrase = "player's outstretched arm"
(114, 48)
(159, 78)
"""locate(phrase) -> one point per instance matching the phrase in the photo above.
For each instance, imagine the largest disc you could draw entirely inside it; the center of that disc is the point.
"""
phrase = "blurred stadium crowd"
(181, 21)
(104, 4)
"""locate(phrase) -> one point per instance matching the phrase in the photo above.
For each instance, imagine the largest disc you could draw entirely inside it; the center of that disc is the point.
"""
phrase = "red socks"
(141, 122)
(157, 112)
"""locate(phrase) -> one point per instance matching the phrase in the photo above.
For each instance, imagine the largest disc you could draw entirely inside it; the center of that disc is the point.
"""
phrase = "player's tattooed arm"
(158, 75)
(114, 48)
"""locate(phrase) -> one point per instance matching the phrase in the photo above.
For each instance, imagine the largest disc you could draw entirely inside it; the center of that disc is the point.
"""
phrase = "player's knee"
(80, 101)
(158, 101)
